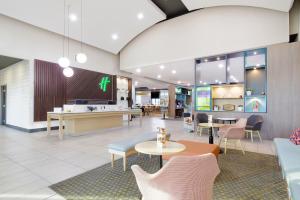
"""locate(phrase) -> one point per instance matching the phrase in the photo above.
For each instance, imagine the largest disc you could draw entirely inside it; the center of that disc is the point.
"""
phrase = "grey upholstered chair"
(201, 118)
(254, 124)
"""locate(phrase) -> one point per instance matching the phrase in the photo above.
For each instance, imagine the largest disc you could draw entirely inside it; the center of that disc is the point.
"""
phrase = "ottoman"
(195, 148)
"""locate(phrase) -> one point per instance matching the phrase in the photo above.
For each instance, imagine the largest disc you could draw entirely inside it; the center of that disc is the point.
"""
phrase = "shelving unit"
(241, 71)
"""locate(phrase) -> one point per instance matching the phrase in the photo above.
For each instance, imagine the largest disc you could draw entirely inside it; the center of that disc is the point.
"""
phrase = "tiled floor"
(30, 162)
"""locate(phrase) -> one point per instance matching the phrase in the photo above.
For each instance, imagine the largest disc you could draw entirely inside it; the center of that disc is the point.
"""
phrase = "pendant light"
(81, 57)
(64, 61)
(68, 71)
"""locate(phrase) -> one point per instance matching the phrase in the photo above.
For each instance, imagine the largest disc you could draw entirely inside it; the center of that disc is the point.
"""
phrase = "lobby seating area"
(150, 100)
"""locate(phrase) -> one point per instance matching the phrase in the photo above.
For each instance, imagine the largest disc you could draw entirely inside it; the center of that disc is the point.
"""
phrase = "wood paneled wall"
(53, 89)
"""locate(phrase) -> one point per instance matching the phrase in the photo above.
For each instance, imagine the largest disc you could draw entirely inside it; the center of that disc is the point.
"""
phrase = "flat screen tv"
(154, 95)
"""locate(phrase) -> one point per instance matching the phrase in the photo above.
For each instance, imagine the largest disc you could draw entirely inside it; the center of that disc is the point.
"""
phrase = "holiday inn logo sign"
(104, 83)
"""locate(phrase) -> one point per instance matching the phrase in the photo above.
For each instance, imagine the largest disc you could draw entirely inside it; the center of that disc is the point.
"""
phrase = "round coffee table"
(151, 148)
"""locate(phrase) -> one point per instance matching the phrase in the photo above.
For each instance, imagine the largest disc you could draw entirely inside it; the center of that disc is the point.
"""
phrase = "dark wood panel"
(53, 89)
(49, 88)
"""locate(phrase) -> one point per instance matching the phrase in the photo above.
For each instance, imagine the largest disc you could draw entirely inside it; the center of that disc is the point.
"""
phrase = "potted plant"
(249, 91)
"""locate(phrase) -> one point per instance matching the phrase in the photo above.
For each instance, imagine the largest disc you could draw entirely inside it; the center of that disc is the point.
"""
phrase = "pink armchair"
(233, 132)
(181, 178)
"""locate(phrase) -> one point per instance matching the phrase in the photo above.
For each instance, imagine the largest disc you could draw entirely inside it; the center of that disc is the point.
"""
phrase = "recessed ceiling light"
(73, 17)
(140, 16)
(218, 58)
(178, 82)
(254, 52)
(216, 81)
(138, 70)
(200, 81)
(205, 60)
(162, 67)
(114, 36)
(173, 71)
(159, 76)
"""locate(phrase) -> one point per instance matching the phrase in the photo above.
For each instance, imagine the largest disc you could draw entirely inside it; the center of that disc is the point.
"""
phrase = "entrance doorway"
(3, 104)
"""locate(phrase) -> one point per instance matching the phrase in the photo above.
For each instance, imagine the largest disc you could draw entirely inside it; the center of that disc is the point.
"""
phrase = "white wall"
(206, 32)
(25, 41)
(19, 81)
(28, 42)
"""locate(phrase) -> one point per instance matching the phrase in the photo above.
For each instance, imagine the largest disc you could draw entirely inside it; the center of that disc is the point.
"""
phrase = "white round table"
(230, 119)
(151, 148)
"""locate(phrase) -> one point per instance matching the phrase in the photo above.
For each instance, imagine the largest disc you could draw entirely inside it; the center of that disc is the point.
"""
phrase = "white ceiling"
(184, 72)
(101, 18)
(280, 5)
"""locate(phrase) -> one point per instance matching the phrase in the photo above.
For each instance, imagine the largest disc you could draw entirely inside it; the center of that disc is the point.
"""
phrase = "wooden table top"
(214, 125)
(151, 147)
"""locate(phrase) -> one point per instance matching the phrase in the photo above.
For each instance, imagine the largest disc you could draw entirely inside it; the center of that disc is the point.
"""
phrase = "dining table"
(211, 126)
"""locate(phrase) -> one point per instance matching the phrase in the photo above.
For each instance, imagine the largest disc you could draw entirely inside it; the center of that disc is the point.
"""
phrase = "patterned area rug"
(250, 177)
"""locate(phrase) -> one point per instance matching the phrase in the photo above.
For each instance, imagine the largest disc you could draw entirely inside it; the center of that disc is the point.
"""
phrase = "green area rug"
(252, 176)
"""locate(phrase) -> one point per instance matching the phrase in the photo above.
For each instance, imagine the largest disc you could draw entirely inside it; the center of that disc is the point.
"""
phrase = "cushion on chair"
(195, 148)
(295, 136)
(127, 144)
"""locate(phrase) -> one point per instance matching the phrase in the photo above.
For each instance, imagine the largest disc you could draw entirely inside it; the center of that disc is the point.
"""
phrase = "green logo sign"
(103, 83)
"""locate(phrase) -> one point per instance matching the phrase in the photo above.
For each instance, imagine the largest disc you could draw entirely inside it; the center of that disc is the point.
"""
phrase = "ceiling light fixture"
(205, 60)
(254, 68)
(218, 58)
(254, 52)
(73, 17)
(200, 81)
(205, 83)
(173, 71)
(138, 70)
(64, 61)
(68, 72)
(179, 82)
(158, 76)
(114, 36)
(140, 16)
(81, 57)
(162, 67)
(136, 83)
(221, 65)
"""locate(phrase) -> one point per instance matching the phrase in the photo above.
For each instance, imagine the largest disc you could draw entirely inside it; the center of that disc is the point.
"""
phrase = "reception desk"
(76, 123)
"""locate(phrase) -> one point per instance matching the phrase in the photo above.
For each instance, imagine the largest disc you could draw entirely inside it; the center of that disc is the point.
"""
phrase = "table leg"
(141, 119)
(48, 124)
(128, 119)
(211, 137)
(160, 162)
(60, 129)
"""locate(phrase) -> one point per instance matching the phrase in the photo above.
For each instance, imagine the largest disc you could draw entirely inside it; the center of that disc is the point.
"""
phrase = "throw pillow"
(295, 136)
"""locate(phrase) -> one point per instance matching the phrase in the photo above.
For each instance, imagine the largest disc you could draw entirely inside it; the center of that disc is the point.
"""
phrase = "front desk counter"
(76, 123)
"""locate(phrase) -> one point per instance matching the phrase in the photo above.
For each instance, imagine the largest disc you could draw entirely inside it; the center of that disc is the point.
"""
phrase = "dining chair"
(202, 118)
(254, 124)
(234, 132)
(181, 178)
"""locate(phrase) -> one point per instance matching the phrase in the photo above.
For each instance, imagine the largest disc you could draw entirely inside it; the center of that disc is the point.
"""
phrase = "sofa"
(289, 161)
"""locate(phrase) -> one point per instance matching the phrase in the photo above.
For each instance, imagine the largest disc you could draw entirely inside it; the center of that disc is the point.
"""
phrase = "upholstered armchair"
(181, 178)
(234, 132)
(202, 118)
(254, 124)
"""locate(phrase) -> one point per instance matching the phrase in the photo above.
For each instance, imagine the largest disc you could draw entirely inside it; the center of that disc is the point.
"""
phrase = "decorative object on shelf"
(249, 91)
(216, 107)
(255, 106)
(161, 137)
(122, 98)
(241, 96)
(91, 108)
(228, 107)
(240, 108)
